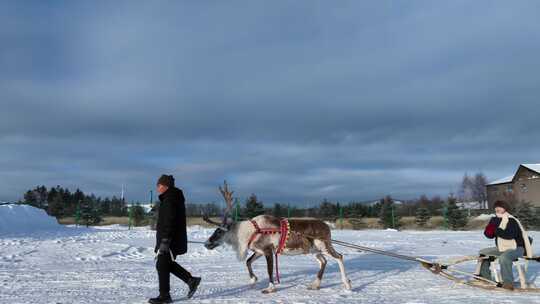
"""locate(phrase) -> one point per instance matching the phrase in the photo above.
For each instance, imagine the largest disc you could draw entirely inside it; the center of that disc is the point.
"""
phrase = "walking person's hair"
(166, 180)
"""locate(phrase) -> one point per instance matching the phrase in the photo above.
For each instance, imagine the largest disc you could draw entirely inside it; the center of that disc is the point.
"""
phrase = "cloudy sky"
(295, 101)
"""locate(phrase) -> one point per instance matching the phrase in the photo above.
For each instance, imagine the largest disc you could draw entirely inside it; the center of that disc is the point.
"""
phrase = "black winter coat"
(171, 223)
(512, 231)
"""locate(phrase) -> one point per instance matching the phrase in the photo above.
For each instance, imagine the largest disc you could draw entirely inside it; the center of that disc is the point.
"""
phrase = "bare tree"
(473, 189)
(479, 189)
(465, 193)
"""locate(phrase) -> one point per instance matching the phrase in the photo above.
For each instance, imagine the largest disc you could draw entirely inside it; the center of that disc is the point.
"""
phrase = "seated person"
(511, 242)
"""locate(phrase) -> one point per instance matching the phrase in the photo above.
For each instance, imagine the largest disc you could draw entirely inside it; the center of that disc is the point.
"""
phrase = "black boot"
(193, 283)
(161, 299)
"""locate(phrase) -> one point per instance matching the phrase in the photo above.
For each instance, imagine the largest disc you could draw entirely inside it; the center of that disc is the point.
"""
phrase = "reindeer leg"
(339, 258)
(252, 258)
(322, 264)
(270, 265)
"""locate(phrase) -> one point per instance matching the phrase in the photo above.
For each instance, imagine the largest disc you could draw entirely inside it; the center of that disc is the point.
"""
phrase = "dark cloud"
(292, 101)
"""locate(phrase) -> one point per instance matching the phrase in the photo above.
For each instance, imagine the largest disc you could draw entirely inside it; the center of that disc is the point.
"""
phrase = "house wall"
(525, 187)
(499, 192)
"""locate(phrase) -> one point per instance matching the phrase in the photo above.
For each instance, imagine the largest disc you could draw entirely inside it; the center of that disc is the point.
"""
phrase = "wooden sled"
(449, 271)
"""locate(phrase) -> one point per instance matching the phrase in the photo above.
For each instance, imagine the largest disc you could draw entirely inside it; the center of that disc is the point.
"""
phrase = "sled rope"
(196, 242)
(382, 252)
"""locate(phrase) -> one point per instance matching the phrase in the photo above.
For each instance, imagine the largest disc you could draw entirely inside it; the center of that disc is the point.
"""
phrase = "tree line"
(61, 202)
(87, 208)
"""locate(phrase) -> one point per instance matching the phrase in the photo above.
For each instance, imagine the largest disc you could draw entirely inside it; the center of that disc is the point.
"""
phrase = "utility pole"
(236, 209)
(129, 209)
(78, 213)
(393, 219)
(341, 216)
(130, 215)
(288, 211)
(445, 216)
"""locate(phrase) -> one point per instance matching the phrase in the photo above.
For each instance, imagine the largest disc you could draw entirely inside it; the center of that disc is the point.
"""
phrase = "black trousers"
(165, 266)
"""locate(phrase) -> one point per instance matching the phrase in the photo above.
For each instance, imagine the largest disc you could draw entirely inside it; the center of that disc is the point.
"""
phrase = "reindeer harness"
(284, 231)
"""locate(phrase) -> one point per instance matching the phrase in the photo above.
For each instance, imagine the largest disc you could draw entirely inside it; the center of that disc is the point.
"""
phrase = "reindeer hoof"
(347, 285)
(253, 280)
(316, 285)
(270, 289)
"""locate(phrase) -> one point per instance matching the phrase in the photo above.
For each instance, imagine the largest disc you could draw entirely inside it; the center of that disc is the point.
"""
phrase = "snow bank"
(484, 217)
(20, 219)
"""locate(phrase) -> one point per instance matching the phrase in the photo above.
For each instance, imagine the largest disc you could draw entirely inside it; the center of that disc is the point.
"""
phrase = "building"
(524, 185)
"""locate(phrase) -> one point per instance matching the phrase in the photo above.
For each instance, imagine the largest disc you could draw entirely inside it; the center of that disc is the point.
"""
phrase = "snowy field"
(115, 265)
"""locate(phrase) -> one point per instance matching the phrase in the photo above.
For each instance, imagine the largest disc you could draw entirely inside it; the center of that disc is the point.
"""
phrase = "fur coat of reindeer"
(305, 236)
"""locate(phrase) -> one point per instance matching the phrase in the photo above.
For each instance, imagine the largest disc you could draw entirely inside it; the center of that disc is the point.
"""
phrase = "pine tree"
(355, 210)
(526, 215)
(388, 217)
(30, 198)
(457, 218)
(138, 214)
(90, 214)
(76, 199)
(56, 206)
(422, 216)
(536, 222)
(328, 210)
(253, 207)
(278, 210)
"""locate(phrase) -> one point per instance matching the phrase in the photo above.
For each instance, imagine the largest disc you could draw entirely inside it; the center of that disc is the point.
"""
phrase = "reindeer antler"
(209, 221)
(227, 195)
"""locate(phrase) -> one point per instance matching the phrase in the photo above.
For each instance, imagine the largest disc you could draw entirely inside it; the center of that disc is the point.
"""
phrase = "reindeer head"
(218, 237)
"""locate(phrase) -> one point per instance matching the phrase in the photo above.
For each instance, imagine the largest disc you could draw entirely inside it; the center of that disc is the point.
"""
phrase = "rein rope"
(378, 251)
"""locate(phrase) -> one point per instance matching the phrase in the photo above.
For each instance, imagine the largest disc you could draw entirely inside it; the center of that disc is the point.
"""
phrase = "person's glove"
(489, 232)
(164, 247)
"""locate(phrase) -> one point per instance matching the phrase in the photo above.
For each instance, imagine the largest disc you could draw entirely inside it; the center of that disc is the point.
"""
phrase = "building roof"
(533, 167)
(503, 180)
(508, 179)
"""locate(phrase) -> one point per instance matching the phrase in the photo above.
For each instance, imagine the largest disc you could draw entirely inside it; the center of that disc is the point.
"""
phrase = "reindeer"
(305, 236)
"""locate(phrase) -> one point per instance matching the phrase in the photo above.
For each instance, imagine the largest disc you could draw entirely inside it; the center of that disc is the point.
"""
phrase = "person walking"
(171, 240)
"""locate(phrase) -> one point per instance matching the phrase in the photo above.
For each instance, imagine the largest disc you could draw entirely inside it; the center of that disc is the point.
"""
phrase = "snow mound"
(484, 217)
(20, 219)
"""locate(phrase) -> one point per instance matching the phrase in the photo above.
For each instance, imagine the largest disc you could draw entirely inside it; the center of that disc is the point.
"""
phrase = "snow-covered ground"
(115, 265)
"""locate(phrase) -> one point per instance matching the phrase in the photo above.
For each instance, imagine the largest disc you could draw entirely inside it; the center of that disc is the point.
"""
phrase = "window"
(523, 188)
(509, 188)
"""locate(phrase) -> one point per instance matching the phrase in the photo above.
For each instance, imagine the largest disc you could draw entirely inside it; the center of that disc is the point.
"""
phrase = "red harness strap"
(283, 230)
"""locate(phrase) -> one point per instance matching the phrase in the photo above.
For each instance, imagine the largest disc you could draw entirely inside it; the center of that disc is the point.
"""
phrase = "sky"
(295, 101)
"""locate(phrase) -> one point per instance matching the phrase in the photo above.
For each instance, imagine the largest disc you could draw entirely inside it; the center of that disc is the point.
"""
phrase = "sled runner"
(449, 271)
